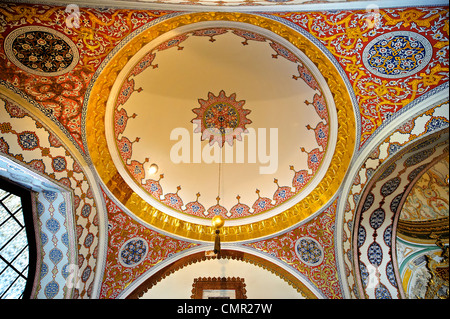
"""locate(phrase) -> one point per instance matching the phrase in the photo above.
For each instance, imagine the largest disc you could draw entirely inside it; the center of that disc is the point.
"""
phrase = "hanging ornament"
(217, 223)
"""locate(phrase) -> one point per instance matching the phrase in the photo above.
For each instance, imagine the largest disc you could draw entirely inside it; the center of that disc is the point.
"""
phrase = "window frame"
(27, 211)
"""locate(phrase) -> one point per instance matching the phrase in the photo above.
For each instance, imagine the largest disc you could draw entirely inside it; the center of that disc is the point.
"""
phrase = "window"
(17, 242)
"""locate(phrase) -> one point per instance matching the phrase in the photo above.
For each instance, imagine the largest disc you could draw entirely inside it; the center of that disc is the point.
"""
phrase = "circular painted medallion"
(41, 51)
(133, 252)
(309, 251)
(221, 118)
(397, 54)
(238, 122)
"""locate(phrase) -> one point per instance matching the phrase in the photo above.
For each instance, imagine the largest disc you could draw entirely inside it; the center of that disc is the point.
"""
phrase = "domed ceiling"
(222, 116)
(279, 118)
(223, 112)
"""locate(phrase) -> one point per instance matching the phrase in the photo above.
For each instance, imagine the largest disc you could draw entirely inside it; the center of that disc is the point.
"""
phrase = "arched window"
(17, 242)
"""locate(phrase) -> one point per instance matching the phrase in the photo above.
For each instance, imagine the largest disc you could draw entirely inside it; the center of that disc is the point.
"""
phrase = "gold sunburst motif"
(221, 118)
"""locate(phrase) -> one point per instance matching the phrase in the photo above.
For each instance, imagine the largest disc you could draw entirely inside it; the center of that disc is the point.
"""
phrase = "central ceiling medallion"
(221, 118)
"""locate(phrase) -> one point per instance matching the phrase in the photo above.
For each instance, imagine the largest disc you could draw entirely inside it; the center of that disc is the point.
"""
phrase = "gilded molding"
(419, 231)
(101, 158)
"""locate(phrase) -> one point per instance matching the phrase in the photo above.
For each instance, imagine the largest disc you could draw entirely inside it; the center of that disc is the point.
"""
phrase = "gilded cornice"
(419, 231)
(101, 158)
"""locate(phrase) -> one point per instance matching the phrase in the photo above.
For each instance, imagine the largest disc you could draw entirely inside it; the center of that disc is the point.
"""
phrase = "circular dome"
(222, 117)
(238, 121)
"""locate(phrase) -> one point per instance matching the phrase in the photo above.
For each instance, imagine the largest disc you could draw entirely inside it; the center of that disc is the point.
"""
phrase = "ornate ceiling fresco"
(317, 132)
(251, 189)
(187, 179)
